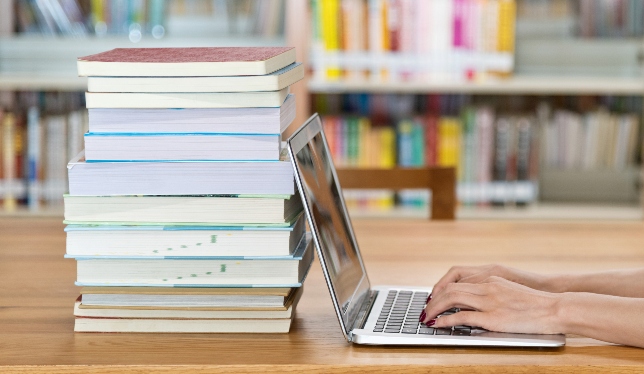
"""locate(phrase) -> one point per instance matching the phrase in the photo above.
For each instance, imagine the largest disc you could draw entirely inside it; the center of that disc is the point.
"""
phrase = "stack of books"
(187, 220)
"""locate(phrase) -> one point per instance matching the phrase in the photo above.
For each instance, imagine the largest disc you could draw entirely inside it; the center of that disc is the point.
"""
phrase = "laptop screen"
(328, 218)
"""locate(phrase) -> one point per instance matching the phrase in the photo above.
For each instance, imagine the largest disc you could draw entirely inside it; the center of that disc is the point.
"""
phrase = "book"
(202, 298)
(285, 311)
(206, 210)
(196, 178)
(169, 325)
(218, 120)
(183, 240)
(260, 271)
(274, 81)
(181, 147)
(186, 62)
(266, 99)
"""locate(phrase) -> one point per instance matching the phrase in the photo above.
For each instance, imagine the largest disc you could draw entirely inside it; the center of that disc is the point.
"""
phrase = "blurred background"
(537, 103)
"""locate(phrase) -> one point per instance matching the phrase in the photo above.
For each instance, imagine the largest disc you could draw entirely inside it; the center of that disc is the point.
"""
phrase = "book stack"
(187, 220)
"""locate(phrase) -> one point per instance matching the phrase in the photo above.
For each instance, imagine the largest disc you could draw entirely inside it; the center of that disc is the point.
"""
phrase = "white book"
(205, 210)
(270, 82)
(161, 325)
(205, 298)
(181, 147)
(286, 311)
(262, 271)
(180, 178)
(265, 99)
(183, 240)
(215, 120)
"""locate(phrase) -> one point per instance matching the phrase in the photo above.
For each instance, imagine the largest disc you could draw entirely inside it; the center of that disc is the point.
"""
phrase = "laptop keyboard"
(401, 312)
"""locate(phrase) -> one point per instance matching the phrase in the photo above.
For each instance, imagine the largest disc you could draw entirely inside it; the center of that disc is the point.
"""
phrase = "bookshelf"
(545, 64)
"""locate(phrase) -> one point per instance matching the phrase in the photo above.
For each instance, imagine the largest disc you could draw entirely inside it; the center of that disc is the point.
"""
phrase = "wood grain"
(37, 296)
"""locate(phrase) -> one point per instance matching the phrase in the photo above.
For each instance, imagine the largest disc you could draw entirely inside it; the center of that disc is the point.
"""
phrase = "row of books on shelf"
(410, 40)
(36, 141)
(497, 155)
(176, 230)
(588, 18)
(97, 17)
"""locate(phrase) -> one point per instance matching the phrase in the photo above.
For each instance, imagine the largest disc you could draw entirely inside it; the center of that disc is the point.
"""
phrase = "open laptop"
(367, 314)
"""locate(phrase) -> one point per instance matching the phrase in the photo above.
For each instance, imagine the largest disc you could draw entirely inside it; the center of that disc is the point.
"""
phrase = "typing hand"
(477, 274)
(495, 304)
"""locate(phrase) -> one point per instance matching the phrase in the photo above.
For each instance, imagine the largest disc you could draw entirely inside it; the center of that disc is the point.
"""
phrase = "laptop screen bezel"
(298, 140)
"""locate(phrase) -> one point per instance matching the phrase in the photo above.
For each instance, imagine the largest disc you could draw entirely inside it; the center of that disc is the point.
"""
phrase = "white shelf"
(537, 211)
(32, 62)
(546, 85)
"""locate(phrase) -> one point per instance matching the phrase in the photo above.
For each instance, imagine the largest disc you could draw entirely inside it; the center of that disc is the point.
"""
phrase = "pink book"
(186, 62)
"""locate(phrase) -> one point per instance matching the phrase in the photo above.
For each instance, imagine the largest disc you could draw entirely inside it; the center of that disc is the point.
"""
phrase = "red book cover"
(431, 140)
(196, 54)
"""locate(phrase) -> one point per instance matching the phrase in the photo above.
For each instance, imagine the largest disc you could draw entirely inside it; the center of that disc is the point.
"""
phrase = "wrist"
(556, 283)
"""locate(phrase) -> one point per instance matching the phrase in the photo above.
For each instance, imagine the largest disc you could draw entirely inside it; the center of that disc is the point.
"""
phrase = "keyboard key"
(426, 331)
(443, 331)
(460, 327)
(408, 331)
(461, 333)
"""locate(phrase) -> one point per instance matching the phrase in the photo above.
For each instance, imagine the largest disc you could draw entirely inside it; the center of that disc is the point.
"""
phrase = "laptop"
(370, 314)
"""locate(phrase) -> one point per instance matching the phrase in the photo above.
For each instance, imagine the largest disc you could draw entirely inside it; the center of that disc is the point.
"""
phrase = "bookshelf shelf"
(539, 85)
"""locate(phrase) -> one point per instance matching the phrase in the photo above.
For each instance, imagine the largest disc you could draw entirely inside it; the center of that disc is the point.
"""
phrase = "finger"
(452, 299)
(478, 319)
(453, 275)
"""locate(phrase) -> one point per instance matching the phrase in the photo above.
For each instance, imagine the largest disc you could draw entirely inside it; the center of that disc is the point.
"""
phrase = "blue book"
(181, 147)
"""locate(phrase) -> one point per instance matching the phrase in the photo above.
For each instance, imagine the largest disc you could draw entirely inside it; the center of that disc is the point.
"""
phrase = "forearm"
(627, 283)
(603, 317)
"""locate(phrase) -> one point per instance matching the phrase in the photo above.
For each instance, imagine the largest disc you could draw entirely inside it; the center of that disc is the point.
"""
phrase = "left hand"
(496, 304)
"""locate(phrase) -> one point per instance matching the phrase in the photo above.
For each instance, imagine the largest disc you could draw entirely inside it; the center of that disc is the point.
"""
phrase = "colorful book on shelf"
(259, 271)
(183, 240)
(221, 120)
(144, 100)
(181, 177)
(181, 147)
(204, 298)
(206, 210)
(274, 81)
(186, 62)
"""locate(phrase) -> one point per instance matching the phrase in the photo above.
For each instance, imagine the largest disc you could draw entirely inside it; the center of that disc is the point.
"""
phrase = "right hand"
(478, 274)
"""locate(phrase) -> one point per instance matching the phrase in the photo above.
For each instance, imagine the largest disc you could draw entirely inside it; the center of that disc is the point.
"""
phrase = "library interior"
(463, 132)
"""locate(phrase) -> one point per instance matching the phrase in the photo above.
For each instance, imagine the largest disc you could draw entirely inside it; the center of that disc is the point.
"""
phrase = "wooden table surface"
(37, 295)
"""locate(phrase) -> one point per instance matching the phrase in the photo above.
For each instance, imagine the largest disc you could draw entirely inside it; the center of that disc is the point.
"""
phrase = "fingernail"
(431, 322)
(428, 298)
(422, 316)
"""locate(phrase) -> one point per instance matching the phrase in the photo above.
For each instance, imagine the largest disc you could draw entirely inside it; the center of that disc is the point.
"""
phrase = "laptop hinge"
(365, 309)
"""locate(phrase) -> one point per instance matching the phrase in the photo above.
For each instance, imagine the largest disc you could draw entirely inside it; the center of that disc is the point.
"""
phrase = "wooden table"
(37, 294)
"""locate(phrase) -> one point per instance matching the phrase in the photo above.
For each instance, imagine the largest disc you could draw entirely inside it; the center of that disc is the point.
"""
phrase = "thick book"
(171, 325)
(183, 240)
(186, 62)
(264, 99)
(286, 311)
(180, 178)
(202, 298)
(206, 210)
(261, 271)
(181, 147)
(274, 81)
(217, 120)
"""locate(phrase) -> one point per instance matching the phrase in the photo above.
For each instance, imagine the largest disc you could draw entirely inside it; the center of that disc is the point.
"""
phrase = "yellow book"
(505, 30)
(364, 129)
(331, 33)
(387, 148)
(9, 160)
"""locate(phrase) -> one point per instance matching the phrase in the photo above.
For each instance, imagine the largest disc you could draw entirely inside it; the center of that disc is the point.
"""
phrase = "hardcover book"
(186, 62)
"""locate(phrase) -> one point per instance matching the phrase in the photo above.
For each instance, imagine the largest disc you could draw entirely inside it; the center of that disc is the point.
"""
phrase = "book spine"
(34, 148)
(9, 161)
(331, 32)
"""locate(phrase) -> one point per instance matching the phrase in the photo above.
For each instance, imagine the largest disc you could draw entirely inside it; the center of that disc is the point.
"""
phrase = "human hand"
(495, 304)
(477, 274)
